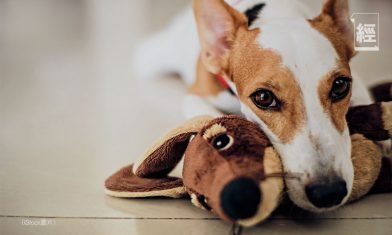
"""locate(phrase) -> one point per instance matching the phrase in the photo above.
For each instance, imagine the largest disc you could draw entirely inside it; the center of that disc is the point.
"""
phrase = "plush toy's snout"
(224, 170)
(240, 198)
(214, 180)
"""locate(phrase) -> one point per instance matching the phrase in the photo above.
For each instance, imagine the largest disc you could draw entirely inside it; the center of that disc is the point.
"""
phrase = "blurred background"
(71, 112)
(65, 79)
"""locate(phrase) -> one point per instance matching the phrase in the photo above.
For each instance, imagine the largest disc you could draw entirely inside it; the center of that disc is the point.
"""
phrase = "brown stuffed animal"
(370, 122)
(231, 169)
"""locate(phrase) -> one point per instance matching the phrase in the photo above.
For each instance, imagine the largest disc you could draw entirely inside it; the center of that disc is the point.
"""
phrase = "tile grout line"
(104, 218)
(185, 218)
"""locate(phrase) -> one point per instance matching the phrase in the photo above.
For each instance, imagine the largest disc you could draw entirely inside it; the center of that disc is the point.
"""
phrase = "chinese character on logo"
(366, 31)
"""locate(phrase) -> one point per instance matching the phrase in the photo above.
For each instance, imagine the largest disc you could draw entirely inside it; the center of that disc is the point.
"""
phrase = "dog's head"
(292, 77)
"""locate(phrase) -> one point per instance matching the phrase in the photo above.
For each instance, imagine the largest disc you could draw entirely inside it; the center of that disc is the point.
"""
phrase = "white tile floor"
(71, 114)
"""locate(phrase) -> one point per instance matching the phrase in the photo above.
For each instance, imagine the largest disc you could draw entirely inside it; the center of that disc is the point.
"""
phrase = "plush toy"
(231, 169)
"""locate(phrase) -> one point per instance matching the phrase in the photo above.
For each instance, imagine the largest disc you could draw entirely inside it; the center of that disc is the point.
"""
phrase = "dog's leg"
(195, 105)
(196, 101)
(218, 105)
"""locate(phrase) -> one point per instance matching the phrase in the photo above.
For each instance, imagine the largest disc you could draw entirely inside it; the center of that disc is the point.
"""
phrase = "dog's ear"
(163, 157)
(338, 12)
(217, 24)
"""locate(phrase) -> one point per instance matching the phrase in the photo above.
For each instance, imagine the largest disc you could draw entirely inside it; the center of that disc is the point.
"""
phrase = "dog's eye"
(265, 99)
(340, 88)
(222, 142)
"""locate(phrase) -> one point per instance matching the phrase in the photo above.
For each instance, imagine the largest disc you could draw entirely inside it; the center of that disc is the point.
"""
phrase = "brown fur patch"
(368, 121)
(337, 110)
(366, 157)
(382, 92)
(383, 183)
(326, 26)
(247, 143)
(206, 84)
(207, 171)
(251, 68)
(160, 162)
(272, 186)
(124, 183)
(164, 155)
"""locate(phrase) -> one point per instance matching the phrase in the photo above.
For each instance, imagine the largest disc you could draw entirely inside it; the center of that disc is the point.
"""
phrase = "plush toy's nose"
(240, 198)
(326, 195)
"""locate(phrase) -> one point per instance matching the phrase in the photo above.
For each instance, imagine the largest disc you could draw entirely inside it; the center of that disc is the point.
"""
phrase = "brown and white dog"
(289, 73)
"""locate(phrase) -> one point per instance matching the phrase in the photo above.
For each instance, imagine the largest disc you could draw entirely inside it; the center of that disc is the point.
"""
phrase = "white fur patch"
(194, 106)
(177, 171)
(360, 93)
(273, 9)
(226, 102)
(195, 201)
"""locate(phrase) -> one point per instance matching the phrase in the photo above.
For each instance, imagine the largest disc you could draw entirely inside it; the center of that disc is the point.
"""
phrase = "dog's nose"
(326, 195)
(240, 198)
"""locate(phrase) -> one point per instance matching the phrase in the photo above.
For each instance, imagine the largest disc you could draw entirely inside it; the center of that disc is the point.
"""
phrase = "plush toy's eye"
(222, 142)
(340, 88)
(266, 100)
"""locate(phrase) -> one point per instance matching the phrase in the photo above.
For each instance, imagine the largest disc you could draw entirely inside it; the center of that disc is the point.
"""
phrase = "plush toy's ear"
(148, 178)
(382, 92)
(373, 121)
(163, 157)
(371, 172)
(125, 183)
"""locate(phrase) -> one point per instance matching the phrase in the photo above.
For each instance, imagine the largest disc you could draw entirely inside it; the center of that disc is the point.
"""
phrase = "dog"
(283, 69)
